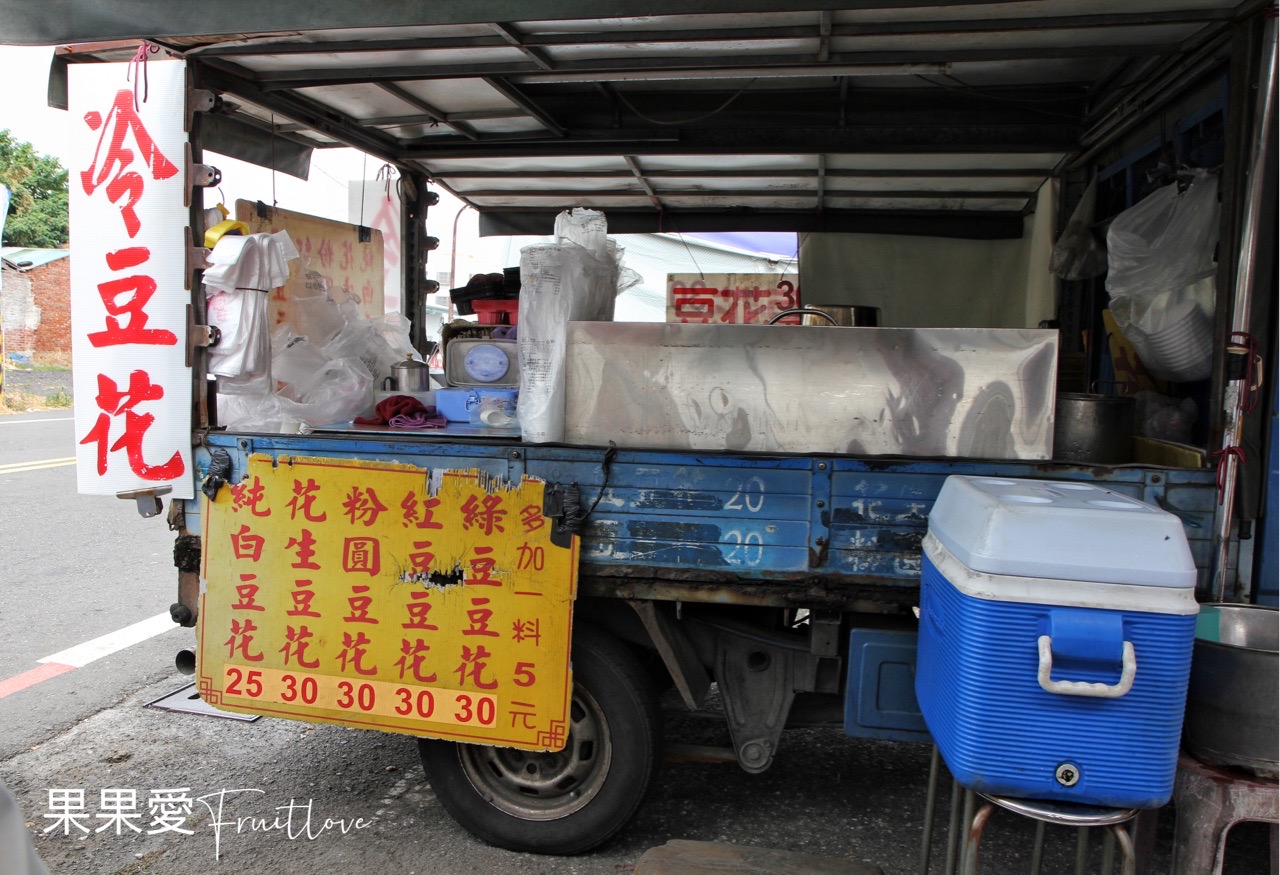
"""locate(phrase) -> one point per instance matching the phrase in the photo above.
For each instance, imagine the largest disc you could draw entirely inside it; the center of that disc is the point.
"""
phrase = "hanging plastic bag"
(1161, 277)
(1078, 255)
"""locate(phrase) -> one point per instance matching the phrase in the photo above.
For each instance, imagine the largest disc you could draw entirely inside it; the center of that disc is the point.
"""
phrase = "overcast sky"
(24, 111)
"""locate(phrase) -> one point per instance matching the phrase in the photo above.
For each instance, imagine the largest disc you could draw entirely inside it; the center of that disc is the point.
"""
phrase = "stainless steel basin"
(1233, 702)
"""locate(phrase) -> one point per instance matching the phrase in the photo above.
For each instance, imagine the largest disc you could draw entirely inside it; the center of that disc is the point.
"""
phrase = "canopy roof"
(746, 115)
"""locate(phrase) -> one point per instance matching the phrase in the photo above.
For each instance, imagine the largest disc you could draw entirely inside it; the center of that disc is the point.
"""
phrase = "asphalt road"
(74, 568)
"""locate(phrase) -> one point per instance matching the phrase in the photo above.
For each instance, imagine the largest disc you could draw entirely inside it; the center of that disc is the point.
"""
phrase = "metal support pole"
(1234, 419)
(930, 800)
(1037, 850)
(953, 831)
(1082, 849)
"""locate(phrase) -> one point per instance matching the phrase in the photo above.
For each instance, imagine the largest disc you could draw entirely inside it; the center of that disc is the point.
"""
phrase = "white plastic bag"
(1161, 277)
(573, 279)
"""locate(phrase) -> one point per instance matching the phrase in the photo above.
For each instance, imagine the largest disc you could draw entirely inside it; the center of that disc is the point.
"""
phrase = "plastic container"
(499, 312)
(1056, 629)
(458, 404)
(489, 362)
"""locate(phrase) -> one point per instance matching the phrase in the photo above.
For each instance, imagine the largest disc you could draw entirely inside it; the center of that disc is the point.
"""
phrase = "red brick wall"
(51, 285)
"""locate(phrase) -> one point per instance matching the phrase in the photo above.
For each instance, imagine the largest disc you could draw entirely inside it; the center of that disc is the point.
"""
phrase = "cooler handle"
(1128, 668)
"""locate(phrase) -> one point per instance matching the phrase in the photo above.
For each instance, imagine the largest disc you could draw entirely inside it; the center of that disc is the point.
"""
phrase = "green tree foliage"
(38, 195)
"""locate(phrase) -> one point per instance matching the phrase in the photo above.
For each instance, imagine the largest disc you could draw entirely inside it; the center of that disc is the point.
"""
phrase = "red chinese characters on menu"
(336, 616)
(735, 305)
(124, 160)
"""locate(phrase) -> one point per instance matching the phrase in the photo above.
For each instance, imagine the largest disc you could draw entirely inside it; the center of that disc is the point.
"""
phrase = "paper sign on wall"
(730, 298)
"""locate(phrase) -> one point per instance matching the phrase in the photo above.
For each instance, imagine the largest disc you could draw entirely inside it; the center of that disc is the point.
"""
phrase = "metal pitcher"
(410, 376)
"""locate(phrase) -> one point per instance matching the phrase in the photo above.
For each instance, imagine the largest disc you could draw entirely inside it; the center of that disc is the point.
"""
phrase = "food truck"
(724, 509)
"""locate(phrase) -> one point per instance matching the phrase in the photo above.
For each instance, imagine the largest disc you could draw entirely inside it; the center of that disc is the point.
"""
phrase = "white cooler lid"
(1060, 530)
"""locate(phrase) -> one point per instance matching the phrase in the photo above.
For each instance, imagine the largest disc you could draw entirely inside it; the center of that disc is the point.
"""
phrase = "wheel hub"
(546, 785)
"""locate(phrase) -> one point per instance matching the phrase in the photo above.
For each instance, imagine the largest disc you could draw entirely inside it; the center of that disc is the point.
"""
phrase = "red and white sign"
(730, 298)
(128, 304)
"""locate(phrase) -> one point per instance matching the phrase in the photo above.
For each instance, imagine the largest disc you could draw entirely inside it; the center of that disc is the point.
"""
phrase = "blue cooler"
(1056, 627)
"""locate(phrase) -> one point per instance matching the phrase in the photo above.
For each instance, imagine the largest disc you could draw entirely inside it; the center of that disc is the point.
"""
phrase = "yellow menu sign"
(388, 597)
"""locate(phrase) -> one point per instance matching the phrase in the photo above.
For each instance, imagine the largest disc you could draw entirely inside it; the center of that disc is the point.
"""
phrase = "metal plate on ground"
(187, 701)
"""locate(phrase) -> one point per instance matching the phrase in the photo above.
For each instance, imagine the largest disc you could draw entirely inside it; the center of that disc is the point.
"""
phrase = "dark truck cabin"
(954, 139)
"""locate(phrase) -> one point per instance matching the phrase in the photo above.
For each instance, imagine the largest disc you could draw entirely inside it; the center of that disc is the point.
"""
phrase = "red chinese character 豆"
(127, 297)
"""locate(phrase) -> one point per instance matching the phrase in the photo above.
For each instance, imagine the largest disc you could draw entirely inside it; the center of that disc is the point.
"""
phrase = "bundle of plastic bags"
(575, 278)
(327, 377)
(1161, 277)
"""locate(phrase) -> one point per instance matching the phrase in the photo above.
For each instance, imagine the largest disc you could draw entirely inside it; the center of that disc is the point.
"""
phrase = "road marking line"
(9, 686)
(40, 465)
(29, 421)
(90, 651)
(105, 645)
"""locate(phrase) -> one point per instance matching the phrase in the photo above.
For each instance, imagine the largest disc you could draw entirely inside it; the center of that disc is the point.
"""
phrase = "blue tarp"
(782, 244)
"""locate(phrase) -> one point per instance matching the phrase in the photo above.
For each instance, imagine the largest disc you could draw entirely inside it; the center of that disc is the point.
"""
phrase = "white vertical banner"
(128, 304)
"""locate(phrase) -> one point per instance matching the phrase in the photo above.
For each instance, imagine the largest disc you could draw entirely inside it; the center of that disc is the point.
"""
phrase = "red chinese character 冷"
(473, 665)
(246, 545)
(113, 403)
(296, 643)
(354, 651)
(411, 659)
(361, 555)
(363, 504)
(486, 513)
(122, 119)
(241, 638)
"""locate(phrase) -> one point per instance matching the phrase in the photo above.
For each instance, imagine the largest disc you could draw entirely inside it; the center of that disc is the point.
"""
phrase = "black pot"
(1093, 428)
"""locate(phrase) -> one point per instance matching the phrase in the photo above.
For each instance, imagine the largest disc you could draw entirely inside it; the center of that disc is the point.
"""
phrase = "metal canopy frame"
(904, 115)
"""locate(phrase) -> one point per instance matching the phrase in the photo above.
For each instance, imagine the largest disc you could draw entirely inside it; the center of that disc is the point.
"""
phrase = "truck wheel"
(567, 801)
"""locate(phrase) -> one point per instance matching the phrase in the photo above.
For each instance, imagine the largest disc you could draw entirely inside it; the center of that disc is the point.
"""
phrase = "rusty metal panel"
(938, 392)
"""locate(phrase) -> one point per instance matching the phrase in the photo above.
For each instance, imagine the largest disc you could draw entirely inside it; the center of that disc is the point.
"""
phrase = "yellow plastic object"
(223, 228)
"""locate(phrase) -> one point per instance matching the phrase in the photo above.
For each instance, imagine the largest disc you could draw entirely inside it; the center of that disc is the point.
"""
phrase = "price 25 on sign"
(385, 597)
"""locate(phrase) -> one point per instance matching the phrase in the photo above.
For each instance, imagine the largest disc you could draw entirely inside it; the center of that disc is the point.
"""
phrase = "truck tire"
(568, 801)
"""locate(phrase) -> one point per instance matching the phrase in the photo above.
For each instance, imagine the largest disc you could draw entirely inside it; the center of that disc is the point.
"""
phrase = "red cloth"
(396, 405)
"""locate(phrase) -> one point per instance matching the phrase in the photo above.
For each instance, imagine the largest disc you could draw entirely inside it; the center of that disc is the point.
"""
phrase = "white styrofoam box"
(1060, 530)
